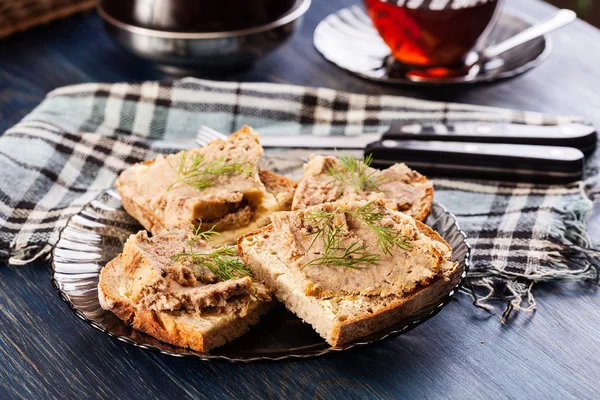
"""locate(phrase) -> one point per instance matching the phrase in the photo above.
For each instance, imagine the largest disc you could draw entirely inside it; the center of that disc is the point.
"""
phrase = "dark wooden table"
(46, 352)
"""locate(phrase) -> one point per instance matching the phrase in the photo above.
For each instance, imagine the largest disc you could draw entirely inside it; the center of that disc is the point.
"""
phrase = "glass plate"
(96, 235)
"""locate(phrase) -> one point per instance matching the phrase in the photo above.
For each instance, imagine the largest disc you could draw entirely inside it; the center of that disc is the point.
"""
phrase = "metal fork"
(206, 135)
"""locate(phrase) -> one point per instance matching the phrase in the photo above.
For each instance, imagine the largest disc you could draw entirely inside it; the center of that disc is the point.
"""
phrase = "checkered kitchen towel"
(74, 144)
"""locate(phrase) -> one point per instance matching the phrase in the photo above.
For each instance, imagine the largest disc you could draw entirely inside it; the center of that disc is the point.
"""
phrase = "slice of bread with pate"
(218, 185)
(328, 179)
(349, 268)
(179, 289)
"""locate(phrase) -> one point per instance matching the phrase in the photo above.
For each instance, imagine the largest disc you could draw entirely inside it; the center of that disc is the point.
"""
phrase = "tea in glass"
(433, 33)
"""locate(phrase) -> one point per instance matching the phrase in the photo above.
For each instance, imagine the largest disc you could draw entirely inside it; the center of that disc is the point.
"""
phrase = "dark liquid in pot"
(424, 37)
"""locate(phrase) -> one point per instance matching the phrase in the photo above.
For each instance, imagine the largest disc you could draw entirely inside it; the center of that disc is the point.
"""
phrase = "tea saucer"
(348, 39)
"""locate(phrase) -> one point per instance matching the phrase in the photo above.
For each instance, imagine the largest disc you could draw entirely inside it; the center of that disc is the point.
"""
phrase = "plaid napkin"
(75, 143)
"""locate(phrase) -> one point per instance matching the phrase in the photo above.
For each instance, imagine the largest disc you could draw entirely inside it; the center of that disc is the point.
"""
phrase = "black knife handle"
(545, 164)
(582, 137)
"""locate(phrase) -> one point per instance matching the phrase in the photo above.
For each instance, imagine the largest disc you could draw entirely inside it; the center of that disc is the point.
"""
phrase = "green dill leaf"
(195, 172)
(387, 237)
(354, 172)
(223, 262)
(354, 256)
(198, 232)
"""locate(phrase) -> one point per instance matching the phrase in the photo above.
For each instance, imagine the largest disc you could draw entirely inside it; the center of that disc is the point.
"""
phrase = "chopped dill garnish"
(223, 262)
(195, 172)
(387, 237)
(351, 257)
(199, 233)
(354, 173)
(355, 255)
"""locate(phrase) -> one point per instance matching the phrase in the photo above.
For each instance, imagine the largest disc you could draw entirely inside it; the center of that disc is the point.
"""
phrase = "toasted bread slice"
(345, 304)
(219, 184)
(178, 288)
(187, 329)
(402, 188)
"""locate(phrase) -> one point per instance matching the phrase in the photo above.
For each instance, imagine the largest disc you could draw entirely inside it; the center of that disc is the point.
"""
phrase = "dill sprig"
(223, 262)
(354, 172)
(200, 234)
(387, 237)
(352, 257)
(355, 255)
(195, 172)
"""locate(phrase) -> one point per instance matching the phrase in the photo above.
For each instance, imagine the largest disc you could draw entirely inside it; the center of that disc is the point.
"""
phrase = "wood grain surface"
(463, 353)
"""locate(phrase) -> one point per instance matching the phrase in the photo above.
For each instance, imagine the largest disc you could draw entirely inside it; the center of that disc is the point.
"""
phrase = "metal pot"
(215, 35)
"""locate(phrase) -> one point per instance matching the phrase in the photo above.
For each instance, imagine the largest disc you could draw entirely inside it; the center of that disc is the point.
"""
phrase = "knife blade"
(320, 142)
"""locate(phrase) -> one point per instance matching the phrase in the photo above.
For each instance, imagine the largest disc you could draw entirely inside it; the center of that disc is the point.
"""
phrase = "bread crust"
(353, 329)
(134, 208)
(165, 326)
(426, 202)
(282, 187)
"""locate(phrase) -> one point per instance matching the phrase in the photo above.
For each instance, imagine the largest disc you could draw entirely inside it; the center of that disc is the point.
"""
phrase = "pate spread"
(161, 283)
(396, 273)
(231, 200)
(402, 188)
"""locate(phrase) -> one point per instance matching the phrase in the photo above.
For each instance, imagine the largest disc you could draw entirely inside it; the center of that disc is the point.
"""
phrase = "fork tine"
(209, 132)
(206, 135)
(200, 142)
(204, 138)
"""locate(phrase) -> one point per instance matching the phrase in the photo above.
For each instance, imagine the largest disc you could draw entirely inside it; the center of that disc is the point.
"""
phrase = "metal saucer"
(348, 39)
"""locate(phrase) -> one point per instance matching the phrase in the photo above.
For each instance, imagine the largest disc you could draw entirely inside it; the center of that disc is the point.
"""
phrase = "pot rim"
(299, 9)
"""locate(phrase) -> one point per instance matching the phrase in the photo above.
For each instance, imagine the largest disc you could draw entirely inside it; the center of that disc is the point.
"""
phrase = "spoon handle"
(562, 18)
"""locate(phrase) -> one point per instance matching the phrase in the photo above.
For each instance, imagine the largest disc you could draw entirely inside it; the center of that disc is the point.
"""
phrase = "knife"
(580, 136)
(515, 162)
(486, 151)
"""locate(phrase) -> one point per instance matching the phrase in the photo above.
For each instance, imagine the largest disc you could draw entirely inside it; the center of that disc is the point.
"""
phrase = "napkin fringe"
(26, 253)
(578, 260)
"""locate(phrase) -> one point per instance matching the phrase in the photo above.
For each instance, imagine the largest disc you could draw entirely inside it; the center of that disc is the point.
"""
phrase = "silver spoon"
(561, 18)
